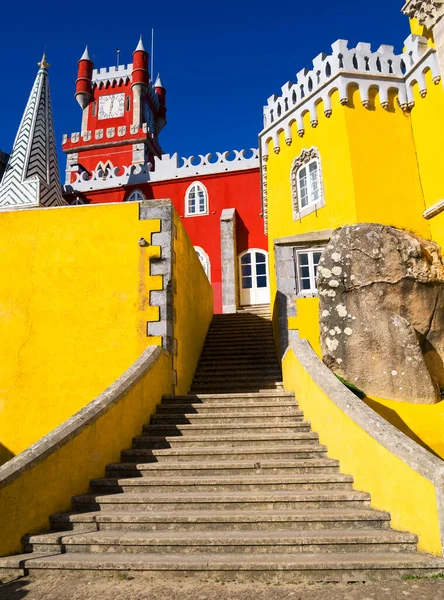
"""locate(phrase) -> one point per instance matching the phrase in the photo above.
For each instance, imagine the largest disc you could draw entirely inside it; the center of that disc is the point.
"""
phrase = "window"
(205, 260)
(127, 103)
(94, 109)
(307, 262)
(196, 200)
(135, 196)
(306, 183)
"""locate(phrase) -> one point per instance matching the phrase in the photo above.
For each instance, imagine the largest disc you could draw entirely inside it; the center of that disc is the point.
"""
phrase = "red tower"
(122, 116)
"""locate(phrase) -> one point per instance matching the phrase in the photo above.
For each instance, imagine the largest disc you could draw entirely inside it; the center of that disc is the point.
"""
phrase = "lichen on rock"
(387, 312)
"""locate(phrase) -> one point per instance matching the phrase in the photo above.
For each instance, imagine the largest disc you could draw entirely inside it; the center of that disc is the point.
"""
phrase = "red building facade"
(117, 157)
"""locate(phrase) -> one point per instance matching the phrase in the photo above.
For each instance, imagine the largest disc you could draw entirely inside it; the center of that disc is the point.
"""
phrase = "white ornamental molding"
(121, 131)
(98, 134)
(427, 12)
(165, 168)
(110, 132)
(87, 136)
(343, 70)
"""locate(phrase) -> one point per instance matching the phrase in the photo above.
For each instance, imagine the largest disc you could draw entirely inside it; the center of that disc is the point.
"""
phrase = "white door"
(253, 277)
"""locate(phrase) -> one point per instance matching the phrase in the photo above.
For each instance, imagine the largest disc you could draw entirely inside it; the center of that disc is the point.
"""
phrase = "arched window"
(306, 183)
(205, 260)
(135, 196)
(196, 200)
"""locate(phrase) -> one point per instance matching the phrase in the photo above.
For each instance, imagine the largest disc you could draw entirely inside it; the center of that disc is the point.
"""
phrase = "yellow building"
(358, 138)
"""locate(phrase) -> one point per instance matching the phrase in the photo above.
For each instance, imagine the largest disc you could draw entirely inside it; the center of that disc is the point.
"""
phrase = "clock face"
(111, 106)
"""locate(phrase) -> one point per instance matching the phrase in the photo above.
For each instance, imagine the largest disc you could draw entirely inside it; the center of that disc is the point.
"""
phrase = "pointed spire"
(32, 175)
(85, 55)
(140, 46)
(158, 83)
(43, 64)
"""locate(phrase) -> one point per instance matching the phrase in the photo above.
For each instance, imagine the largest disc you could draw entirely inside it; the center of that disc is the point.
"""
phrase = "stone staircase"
(228, 482)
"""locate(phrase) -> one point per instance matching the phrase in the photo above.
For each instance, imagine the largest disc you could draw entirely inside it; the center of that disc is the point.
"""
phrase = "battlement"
(111, 76)
(164, 169)
(104, 75)
(339, 71)
(113, 134)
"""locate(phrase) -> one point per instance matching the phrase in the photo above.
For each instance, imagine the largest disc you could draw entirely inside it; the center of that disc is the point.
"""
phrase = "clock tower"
(123, 113)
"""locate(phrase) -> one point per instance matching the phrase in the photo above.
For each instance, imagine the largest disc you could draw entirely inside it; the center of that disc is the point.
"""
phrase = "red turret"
(161, 94)
(83, 93)
(140, 73)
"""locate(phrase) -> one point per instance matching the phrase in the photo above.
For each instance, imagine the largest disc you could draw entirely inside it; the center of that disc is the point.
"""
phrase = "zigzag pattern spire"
(31, 177)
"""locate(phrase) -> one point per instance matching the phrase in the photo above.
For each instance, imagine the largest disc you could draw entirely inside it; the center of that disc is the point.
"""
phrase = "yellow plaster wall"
(74, 304)
(422, 423)
(193, 307)
(307, 322)
(384, 165)
(427, 122)
(47, 488)
(394, 486)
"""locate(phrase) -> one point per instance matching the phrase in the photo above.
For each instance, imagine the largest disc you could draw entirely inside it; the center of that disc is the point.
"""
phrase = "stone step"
(250, 351)
(230, 429)
(257, 417)
(225, 542)
(225, 468)
(264, 520)
(240, 566)
(240, 377)
(235, 386)
(260, 441)
(226, 396)
(209, 365)
(221, 500)
(215, 375)
(220, 484)
(271, 406)
(220, 454)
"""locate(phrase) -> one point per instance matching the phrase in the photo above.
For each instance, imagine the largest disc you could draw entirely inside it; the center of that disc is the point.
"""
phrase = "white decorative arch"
(196, 200)
(205, 261)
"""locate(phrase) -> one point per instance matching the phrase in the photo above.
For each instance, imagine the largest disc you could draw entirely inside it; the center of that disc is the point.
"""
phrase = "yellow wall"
(394, 486)
(422, 423)
(47, 488)
(307, 322)
(193, 306)
(74, 304)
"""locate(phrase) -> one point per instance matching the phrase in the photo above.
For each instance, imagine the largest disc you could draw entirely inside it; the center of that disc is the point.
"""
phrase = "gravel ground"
(121, 587)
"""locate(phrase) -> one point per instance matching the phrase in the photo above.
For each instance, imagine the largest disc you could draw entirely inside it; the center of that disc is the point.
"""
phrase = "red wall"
(239, 190)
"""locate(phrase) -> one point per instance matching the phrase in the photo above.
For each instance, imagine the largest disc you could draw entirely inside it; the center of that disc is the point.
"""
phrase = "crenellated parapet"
(164, 169)
(123, 134)
(342, 71)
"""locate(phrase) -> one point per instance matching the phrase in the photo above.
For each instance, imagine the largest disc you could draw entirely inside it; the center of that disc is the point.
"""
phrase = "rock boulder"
(382, 312)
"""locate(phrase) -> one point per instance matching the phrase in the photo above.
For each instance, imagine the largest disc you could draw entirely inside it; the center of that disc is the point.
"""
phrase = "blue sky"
(219, 61)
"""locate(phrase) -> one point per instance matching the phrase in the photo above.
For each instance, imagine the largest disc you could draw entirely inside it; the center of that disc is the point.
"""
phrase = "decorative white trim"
(306, 157)
(204, 260)
(166, 168)
(198, 213)
(427, 12)
(434, 210)
(343, 69)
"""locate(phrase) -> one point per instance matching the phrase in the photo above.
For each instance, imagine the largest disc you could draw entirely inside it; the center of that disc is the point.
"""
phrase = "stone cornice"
(427, 12)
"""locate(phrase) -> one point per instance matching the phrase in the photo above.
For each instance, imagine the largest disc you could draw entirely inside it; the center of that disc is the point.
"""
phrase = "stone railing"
(165, 168)
(341, 70)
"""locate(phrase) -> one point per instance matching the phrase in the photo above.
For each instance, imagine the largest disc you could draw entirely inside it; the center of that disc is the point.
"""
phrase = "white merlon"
(341, 70)
(165, 168)
(110, 132)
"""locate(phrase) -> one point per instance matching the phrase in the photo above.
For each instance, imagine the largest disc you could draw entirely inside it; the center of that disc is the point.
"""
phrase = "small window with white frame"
(136, 196)
(306, 184)
(307, 262)
(196, 200)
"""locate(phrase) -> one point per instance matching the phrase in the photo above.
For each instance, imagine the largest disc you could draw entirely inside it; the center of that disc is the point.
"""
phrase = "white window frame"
(198, 212)
(313, 291)
(206, 264)
(303, 161)
(135, 193)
